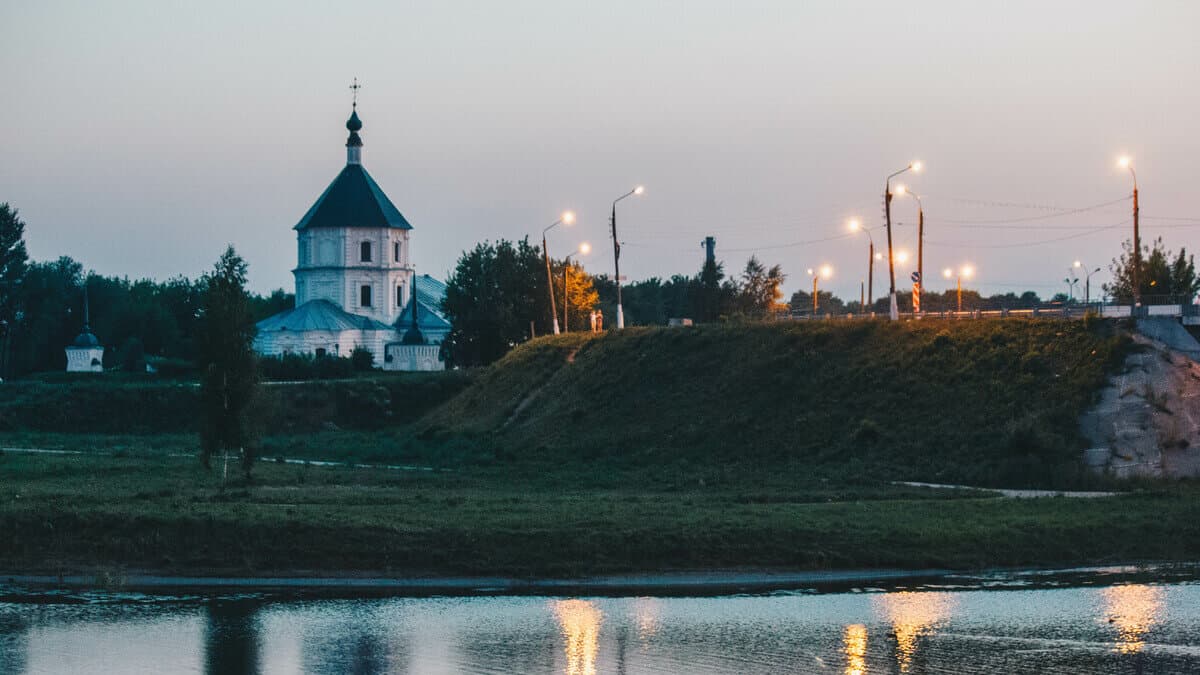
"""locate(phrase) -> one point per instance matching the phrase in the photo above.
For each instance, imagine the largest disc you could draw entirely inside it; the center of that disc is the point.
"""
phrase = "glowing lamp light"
(901, 190)
(917, 165)
(854, 225)
(1076, 264)
(568, 217)
(968, 271)
(585, 248)
(948, 273)
(879, 256)
(826, 271)
(901, 256)
(1124, 161)
(639, 189)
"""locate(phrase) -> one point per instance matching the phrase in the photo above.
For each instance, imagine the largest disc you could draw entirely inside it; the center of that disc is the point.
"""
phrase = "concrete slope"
(1172, 334)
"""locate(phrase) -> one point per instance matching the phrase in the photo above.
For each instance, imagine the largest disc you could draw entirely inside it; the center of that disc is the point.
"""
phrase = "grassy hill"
(983, 402)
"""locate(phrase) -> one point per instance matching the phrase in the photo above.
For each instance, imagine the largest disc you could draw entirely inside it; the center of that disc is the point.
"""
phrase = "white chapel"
(355, 282)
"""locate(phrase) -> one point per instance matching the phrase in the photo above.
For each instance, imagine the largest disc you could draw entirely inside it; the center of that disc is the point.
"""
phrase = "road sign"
(916, 277)
(916, 297)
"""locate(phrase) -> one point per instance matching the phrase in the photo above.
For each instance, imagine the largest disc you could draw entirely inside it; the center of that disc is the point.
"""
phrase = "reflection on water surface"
(1136, 628)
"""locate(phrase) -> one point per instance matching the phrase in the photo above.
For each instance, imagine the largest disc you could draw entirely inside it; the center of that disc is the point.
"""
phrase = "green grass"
(981, 402)
(741, 446)
(130, 512)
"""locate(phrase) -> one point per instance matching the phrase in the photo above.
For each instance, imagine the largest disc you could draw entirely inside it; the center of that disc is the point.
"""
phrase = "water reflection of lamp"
(854, 643)
(580, 624)
(1133, 610)
(912, 615)
(645, 616)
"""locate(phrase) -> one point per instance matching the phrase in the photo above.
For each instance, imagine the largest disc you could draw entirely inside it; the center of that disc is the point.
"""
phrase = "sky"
(142, 137)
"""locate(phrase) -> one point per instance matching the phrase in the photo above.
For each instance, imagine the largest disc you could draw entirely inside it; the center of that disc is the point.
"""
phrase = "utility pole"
(1137, 248)
(920, 285)
(549, 283)
(894, 310)
(871, 274)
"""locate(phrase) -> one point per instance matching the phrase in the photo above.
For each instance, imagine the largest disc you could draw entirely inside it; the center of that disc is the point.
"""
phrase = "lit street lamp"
(824, 272)
(568, 218)
(584, 249)
(1127, 163)
(964, 271)
(887, 213)
(1087, 282)
(855, 225)
(920, 285)
(617, 252)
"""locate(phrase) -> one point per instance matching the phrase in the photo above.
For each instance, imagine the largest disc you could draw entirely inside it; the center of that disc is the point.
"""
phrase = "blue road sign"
(916, 277)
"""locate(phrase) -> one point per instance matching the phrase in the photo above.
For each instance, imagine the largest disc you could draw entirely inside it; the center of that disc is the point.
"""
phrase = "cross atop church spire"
(354, 143)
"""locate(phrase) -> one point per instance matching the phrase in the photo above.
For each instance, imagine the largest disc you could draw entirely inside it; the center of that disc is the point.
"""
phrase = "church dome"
(354, 124)
(85, 339)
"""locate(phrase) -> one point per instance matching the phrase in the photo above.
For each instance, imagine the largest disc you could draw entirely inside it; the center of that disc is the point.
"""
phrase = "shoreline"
(701, 583)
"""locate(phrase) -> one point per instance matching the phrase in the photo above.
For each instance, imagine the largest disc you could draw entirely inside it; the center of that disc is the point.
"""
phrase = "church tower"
(353, 243)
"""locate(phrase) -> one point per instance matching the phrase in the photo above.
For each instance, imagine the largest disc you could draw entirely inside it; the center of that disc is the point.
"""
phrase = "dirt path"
(1015, 494)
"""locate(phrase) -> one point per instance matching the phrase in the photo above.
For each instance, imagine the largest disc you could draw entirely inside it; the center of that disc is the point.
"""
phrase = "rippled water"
(1126, 628)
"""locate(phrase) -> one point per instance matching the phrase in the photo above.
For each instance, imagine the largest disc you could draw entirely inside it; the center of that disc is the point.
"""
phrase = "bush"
(362, 359)
(292, 367)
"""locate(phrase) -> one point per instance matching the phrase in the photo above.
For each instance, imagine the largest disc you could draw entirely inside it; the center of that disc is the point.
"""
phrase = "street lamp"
(965, 271)
(823, 272)
(887, 212)
(584, 249)
(1127, 163)
(920, 285)
(855, 226)
(567, 218)
(617, 252)
(1087, 281)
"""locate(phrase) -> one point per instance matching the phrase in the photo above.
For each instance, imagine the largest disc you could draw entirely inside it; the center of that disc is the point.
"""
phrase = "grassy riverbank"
(70, 513)
(742, 446)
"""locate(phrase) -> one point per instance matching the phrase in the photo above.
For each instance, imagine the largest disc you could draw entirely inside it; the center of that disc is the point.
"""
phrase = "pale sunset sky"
(141, 137)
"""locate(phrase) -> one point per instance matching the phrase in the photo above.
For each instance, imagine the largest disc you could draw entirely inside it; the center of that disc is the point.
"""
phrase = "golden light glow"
(1125, 161)
(568, 217)
(854, 225)
(854, 644)
(585, 248)
(826, 271)
(912, 615)
(1132, 610)
(948, 273)
(639, 189)
(810, 271)
(901, 190)
(901, 256)
(879, 256)
(1077, 264)
(579, 621)
(967, 271)
(917, 166)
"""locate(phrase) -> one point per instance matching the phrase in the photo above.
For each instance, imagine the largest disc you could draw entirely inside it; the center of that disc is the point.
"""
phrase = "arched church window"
(396, 251)
(364, 296)
(364, 252)
(399, 296)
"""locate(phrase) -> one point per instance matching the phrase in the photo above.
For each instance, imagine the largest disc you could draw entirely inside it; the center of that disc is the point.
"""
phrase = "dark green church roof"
(353, 199)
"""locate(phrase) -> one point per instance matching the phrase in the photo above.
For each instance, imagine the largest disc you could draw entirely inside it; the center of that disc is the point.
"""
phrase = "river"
(1084, 622)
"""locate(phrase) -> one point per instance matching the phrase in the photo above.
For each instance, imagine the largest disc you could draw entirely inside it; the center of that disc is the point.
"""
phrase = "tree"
(229, 375)
(759, 291)
(1161, 279)
(13, 260)
(581, 295)
(494, 294)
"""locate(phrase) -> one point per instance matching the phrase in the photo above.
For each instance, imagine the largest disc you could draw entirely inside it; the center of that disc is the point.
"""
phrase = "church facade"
(355, 282)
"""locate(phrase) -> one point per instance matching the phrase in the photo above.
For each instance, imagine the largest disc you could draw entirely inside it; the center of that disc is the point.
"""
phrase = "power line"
(1097, 230)
(1041, 217)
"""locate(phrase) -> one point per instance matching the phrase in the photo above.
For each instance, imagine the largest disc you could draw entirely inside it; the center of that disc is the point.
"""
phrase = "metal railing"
(1189, 312)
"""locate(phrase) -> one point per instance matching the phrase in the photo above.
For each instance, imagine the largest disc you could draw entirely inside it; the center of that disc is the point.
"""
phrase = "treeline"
(42, 310)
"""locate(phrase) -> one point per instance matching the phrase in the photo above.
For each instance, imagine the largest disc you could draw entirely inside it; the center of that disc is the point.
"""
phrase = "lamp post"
(920, 285)
(855, 225)
(584, 249)
(964, 271)
(617, 252)
(887, 215)
(824, 272)
(1087, 282)
(568, 218)
(1127, 163)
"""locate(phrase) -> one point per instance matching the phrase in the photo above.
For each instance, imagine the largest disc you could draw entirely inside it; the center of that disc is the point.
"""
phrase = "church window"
(364, 252)
(399, 296)
(364, 296)
(396, 251)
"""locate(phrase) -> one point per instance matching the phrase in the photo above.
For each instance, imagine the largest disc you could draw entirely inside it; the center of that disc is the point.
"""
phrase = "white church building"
(355, 282)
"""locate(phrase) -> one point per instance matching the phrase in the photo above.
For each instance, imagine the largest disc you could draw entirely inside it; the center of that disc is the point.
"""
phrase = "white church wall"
(85, 359)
